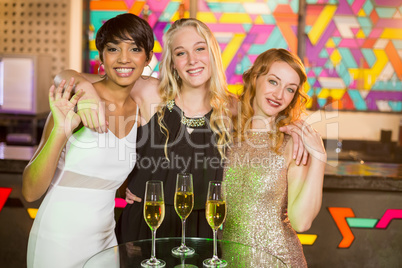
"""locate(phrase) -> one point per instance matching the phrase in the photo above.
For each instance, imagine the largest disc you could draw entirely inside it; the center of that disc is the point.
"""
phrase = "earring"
(176, 75)
(99, 68)
(152, 71)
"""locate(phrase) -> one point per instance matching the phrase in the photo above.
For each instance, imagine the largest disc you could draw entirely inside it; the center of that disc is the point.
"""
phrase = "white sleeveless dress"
(76, 217)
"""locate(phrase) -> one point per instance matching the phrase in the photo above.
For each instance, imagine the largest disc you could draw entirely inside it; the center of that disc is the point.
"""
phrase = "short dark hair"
(125, 26)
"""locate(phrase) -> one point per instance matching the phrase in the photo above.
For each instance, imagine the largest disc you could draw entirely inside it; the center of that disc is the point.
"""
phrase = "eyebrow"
(281, 80)
(116, 41)
(196, 44)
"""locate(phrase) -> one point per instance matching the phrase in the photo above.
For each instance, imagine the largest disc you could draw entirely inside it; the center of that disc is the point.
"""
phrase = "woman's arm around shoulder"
(305, 182)
(79, 77)
(146, 94)
(90, 107)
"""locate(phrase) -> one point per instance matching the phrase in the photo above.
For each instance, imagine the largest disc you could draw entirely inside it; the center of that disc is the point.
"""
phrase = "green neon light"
(361, 223)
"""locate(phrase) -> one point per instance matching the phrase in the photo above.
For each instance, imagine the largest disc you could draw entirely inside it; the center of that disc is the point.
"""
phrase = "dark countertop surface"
(13, 159)
(339, 174)
(363, 176)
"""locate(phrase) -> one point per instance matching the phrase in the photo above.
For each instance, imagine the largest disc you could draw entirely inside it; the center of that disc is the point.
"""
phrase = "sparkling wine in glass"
(154, 213)
(183, 204)
(215, 212)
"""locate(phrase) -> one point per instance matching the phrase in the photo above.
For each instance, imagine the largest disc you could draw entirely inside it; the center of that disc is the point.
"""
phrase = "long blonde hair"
(291, 114)
(170, 87)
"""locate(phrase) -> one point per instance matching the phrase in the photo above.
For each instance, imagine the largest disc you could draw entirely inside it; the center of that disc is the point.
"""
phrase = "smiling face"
(275, 90)
(191, 58)
(124, 62)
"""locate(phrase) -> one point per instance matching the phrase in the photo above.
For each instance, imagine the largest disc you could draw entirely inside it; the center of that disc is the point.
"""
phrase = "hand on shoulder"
(145, 89)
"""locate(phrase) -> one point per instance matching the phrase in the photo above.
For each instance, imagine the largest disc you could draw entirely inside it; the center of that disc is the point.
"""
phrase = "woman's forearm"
(80, 78)
(39, 173)
(307, 203)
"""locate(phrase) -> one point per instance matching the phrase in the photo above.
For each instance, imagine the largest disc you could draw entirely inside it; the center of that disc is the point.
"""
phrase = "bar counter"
(359, 224)
(339, 174)
(363, 176)
(13, 159)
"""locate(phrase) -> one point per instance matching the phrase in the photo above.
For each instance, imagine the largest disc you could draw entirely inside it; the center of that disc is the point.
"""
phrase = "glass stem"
(153, 245)
(183, 231)
(215, 256)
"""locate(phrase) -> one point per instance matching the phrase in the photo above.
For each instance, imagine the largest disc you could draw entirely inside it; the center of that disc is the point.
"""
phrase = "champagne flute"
(183, 204)
(154, 212)
(215, 213)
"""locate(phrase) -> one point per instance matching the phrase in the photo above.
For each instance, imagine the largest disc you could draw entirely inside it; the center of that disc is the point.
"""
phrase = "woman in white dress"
(80, 169)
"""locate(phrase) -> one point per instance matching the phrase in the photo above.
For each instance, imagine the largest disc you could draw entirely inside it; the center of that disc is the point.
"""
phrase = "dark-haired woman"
(80, 169)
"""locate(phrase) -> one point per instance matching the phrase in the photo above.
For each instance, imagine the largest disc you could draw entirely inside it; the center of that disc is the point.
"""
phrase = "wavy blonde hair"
(169, 87)
(291, 114)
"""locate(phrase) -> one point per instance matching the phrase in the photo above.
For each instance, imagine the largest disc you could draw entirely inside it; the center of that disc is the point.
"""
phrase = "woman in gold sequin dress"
(269, 197)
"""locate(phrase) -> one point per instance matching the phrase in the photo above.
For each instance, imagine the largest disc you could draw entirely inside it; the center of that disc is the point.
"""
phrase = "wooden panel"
(36, 27)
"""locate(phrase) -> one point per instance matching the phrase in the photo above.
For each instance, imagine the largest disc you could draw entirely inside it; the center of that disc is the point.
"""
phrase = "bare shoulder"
(92, 78)
(145, 93)
(145, 89)
(148, 82)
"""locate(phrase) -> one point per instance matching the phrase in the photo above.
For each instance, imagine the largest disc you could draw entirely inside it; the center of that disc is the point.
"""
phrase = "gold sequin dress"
(257, 199)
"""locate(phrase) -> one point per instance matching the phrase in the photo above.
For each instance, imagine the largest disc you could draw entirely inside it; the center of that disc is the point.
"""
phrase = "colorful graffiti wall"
(354, 52)
(353, 48)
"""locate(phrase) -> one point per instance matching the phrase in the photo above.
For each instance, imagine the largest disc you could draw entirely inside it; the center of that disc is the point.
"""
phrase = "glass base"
(153, 263)
(214, 262)
(183, 251)
(185, 266)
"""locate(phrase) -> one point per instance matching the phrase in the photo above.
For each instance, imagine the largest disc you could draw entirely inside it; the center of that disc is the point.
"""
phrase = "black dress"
(195, 153)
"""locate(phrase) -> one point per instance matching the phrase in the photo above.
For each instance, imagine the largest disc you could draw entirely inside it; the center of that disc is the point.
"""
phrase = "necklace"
(189, 122)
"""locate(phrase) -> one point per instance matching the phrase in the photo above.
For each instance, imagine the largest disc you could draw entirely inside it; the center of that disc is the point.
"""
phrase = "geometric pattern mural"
(245, 29)
(160, 13)
(353, 47)
(354, 52)
(345, 219)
